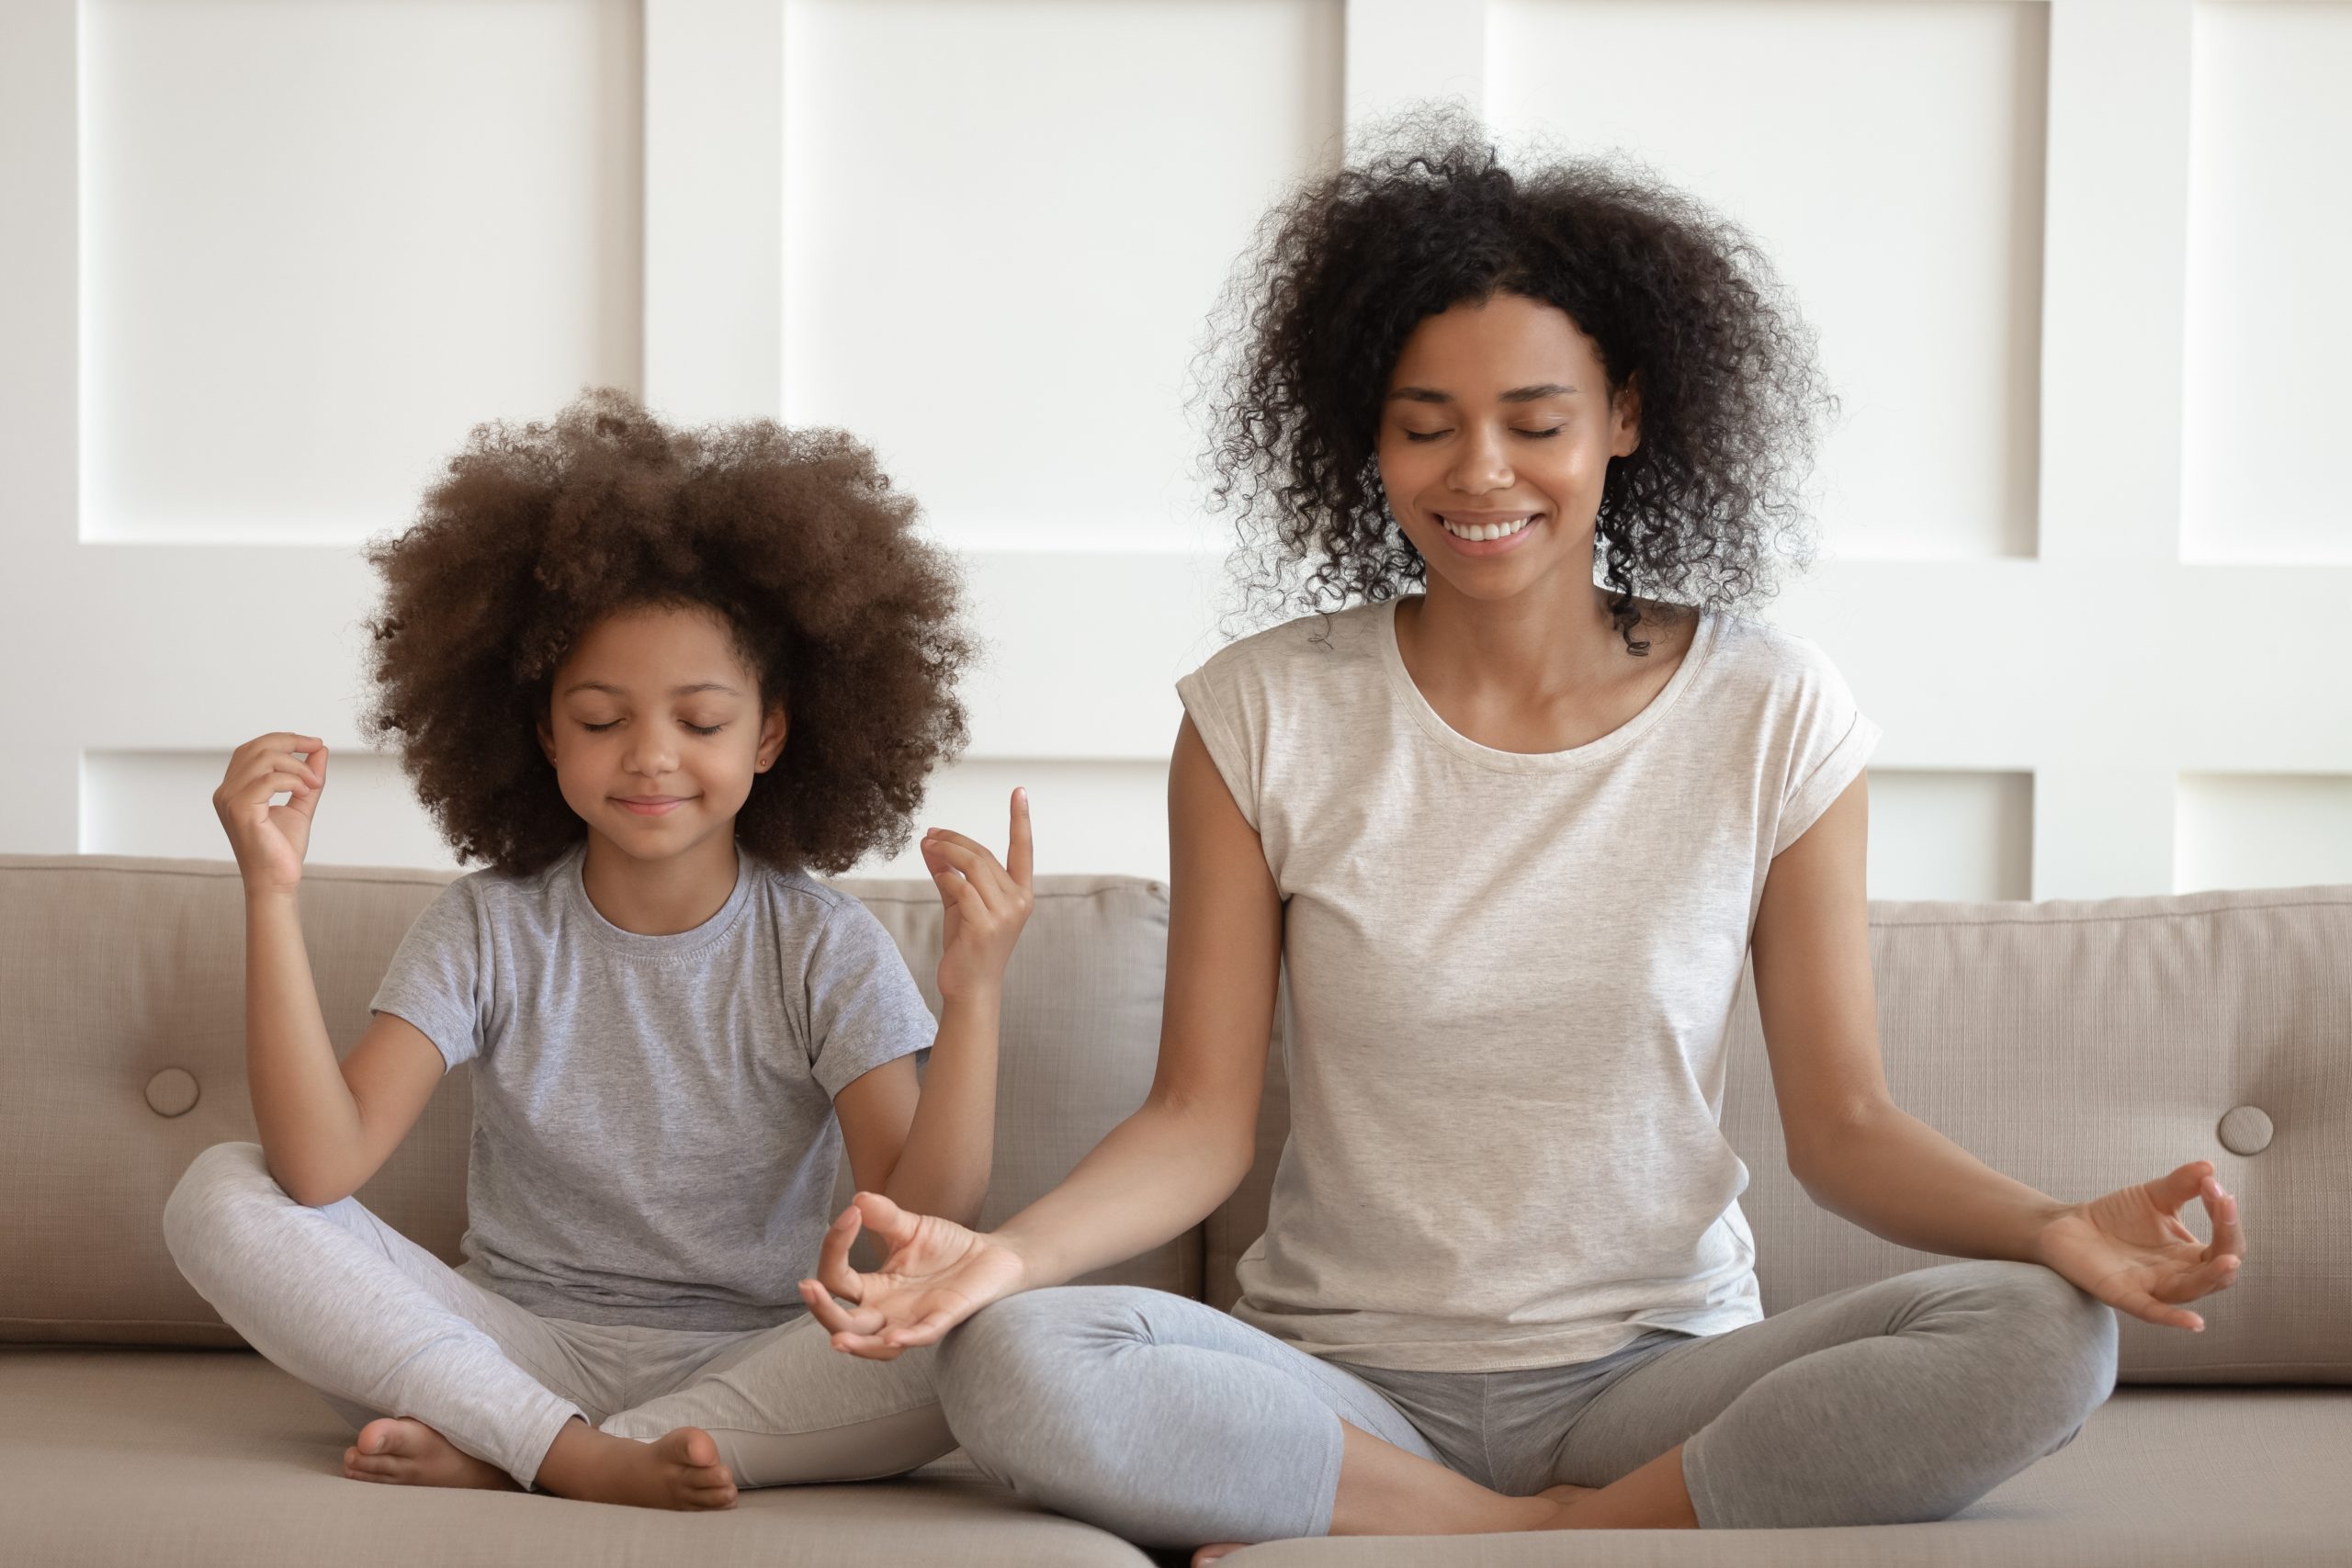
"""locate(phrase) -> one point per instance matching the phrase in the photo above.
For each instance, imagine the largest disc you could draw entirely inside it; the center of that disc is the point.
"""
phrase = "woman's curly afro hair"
(1344, 270)
(794, 537)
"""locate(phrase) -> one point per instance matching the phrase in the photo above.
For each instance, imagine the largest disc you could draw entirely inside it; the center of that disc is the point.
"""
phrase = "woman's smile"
(1486, 533)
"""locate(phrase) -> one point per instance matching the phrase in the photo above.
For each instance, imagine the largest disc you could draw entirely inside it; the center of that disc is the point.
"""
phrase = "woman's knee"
(2061, 1339)
(216, 1183)
(1011, 1378)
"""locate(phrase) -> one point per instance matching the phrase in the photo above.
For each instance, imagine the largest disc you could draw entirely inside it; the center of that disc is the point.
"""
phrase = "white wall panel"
(1005, 223)
(160, 802)
(1951, 835)
(2263, 831)
(1088, 815)
(2268, 339)
(321, 241)
(1889, 158)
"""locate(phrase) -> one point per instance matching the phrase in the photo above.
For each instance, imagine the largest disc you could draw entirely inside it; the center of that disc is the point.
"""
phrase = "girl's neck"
(659, 897)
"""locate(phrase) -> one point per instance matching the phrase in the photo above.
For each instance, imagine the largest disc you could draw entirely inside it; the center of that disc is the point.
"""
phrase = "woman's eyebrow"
(1516, 395)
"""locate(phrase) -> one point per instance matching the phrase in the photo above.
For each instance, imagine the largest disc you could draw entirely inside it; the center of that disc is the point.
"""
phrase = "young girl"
(1513, 832)
(654, 678)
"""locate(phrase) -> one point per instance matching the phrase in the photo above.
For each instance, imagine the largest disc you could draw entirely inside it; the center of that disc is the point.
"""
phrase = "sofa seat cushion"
(165, 1458)
(196, 1457)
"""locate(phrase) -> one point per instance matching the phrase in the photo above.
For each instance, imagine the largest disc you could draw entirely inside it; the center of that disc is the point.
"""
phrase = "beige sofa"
(2077, 1045)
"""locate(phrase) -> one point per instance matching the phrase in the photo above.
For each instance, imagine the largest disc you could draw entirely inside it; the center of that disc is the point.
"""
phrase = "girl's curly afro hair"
(1346, 268)
(794, 537)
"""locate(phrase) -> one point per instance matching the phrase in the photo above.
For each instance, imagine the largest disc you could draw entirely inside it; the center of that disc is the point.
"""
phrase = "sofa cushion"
(121, 1012)
(2078, 1046)
(208, 1458)
(188, 1459)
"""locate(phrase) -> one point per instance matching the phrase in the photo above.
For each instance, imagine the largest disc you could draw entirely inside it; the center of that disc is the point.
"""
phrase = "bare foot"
(678, 1470)
(398, 1452)
(1209, 1554)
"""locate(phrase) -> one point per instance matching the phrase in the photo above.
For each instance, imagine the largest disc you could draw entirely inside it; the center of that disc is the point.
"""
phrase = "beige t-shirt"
(1509, 977)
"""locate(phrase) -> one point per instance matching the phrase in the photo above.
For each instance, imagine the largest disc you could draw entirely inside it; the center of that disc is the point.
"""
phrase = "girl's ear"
(771, 730)
(546, 739)
(1626, 433)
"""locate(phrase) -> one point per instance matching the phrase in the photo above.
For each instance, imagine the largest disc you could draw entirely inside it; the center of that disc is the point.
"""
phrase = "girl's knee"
(215, 1181)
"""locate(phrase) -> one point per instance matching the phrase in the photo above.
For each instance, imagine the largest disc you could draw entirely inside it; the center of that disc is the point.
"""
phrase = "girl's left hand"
(2131, 1250)
(987, 904)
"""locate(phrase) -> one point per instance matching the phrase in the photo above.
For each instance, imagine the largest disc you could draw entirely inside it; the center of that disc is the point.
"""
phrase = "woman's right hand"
(270, 841)
(937, 1274)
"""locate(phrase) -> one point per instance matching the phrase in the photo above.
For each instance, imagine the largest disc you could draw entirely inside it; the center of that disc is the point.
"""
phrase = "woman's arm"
(325, 1128)
(1863, 1158)
(1155, 1175)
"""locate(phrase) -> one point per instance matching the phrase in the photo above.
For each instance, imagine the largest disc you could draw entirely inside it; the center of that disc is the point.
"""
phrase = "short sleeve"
(1830, 741)
(1215, 719)
(440, 976)
(863, 1008)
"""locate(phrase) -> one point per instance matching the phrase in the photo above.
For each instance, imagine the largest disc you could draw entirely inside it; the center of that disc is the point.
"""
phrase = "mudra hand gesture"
(936, 1275)
(2131, 1250)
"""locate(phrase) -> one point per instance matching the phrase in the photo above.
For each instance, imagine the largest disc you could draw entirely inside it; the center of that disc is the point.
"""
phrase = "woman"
(1513, 836)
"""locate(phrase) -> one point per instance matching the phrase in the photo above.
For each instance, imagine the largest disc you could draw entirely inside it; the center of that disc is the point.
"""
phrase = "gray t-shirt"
(1510, 978)
(654, 1137)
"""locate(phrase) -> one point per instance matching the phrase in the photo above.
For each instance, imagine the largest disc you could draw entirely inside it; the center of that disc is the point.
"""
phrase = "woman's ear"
(771, 730)
(1626, 408)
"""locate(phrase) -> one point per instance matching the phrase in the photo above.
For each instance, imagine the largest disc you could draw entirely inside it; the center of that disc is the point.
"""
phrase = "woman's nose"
(1482, 466)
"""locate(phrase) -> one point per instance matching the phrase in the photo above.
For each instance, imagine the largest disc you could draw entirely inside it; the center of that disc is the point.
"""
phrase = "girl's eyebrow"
(607, 686)
(1516, 395)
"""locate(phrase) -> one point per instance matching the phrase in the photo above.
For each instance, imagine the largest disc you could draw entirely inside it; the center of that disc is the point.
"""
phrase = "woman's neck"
(1543, 670)
(659, 897)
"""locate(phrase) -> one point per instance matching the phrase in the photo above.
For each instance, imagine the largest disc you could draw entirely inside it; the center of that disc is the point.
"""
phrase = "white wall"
(2074, 264)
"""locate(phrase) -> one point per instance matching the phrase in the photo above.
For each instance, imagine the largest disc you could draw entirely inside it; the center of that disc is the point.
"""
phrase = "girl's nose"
(652, 757)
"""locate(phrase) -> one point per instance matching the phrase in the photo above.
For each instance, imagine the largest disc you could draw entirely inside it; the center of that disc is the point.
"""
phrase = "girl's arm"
(1154, 1175)
(930, 1149)
(1865, 1159)
(325, 1128)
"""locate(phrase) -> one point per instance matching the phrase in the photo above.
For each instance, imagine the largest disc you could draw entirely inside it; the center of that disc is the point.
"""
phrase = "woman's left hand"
(2131, 1250)
(988, 903)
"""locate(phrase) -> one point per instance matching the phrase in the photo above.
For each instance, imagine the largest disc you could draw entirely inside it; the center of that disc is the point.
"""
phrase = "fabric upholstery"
(2079, 1045)
(121, 986)
(173, 1457)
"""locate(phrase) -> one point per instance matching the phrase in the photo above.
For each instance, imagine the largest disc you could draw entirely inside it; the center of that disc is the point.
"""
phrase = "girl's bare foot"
(398, 1452)
(678, 1470)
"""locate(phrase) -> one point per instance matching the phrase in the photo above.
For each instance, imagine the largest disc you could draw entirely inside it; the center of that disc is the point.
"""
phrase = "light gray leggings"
(382, 1327)
(1174, 1425)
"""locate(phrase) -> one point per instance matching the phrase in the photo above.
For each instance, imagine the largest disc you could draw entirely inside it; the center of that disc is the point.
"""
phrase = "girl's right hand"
(270, 841)
(937, 1274)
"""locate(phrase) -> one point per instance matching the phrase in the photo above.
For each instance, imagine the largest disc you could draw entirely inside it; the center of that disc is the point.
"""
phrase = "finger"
(837, 1318)
(2229, 1236)
(978, 867)
(867, 1346)
(959, 894)
(927, 1330)
(2172, 1191)
(257, 792)
(1019, 852)
(2204, 1280)
(2182, 1232)
(833, 1259)
(2140, 1304)
(894, 1227)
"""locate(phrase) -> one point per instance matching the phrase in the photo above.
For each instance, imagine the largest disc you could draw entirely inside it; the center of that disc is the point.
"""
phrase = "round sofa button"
(171, 1092)
(2245, 1130)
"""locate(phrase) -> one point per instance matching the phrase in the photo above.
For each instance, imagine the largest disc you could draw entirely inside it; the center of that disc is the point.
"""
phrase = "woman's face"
(1495, 436)
(655, 729)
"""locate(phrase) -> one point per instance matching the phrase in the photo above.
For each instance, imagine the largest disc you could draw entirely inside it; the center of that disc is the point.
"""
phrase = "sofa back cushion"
(122, 1057)
(2078, 1046)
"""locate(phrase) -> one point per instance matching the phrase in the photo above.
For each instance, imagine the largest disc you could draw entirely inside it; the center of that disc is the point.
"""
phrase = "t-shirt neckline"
(1392, 660)
(638, 944)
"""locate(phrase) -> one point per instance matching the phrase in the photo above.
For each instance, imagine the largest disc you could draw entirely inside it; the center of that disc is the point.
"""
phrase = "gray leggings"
(382, 1327)
(1174, 1425)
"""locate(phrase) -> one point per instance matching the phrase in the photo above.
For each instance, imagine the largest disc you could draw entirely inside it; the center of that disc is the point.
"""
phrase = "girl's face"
(655, 729)
(1495, 436)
